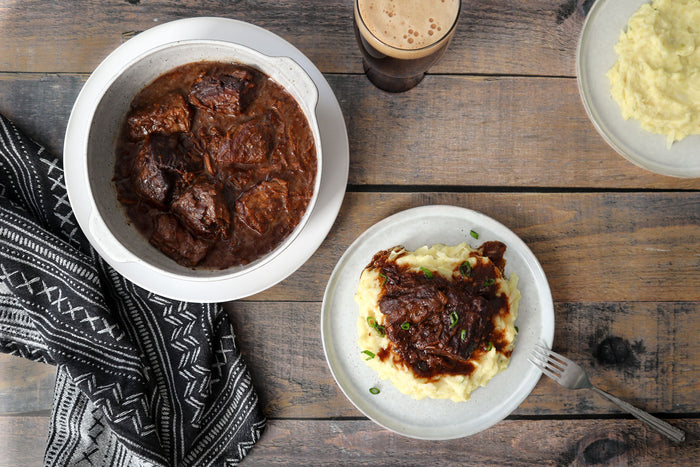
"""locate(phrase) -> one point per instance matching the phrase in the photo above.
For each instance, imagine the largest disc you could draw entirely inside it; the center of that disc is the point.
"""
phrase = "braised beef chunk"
(171, 114)
(226, 93)
(250, 143)
(435, 324)
(177, 242)
(152, 171)
(260, 206)
(203, 210)
(494, 251)
(219, 157)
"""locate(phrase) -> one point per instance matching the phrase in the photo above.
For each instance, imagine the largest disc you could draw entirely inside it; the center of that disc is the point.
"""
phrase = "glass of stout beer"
(401, 39)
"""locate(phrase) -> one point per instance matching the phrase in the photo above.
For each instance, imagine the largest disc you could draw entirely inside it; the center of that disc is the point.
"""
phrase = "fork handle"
(674, 434)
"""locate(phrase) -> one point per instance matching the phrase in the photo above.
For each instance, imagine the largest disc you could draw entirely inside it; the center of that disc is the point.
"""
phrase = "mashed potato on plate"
(656, 79)
(437, 322)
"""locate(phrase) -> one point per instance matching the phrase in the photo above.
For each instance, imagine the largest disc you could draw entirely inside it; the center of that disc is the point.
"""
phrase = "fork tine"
(559, 359)
(546, 370)
(545, 356)
(552, 354)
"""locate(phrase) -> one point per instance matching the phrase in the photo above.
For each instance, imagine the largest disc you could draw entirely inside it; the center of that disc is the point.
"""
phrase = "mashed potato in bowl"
(439, 321)
(656, 79)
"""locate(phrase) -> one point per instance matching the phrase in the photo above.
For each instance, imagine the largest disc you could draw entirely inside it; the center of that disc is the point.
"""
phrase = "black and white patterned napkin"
(142, 380)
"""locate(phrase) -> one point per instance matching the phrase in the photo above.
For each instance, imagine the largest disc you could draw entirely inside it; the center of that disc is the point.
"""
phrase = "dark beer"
(401, 39)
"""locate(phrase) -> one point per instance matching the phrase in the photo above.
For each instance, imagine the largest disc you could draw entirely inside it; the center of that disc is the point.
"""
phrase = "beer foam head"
(408, 24)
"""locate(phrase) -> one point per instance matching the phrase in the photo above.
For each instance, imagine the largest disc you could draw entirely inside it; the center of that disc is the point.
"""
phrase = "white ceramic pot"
(107, 226)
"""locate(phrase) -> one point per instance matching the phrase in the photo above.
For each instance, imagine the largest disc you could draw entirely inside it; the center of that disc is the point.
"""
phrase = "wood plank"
(25, 386)
(361, 442)
(506, 134)
(498, 37)
(40, 105)
(521, 442)
(503, 132)
(659, 372)
(23, 440)
(283, 350)
(616, 246)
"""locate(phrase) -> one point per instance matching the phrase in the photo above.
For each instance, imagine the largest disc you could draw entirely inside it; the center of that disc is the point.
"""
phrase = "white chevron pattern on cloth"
(142, 380)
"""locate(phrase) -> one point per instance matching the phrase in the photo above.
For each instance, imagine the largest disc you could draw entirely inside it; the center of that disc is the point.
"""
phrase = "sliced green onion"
(384, 276)
(405, 325)
(516, 329)
(374, 391)
(453, 319)
(427, 272)
(371, 322)
(466, 269)
(490, 346)
(370, 355)
(474, 234)
(463, 335)
(489, 282)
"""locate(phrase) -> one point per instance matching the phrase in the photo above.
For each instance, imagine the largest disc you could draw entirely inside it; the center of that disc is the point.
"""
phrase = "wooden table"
(498, 127)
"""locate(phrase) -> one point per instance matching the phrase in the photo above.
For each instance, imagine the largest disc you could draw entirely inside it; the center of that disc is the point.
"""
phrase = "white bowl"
(595, 55)
(107, 225)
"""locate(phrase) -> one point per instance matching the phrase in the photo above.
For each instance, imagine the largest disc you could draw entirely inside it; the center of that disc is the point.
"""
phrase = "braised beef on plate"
(215, 164)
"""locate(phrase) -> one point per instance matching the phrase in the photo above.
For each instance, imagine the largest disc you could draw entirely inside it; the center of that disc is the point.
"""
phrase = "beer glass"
(401, 39)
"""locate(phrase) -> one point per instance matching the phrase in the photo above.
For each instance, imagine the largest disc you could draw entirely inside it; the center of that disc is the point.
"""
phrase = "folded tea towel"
(141, 379)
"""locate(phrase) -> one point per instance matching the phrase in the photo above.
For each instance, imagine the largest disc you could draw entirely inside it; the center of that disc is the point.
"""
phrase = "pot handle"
(110, 245)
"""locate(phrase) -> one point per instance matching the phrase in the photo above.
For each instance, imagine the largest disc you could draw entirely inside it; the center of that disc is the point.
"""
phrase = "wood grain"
(23, 440)
(25, 386)
(283, 349)
(521, 442)
(504, 132)
(537, 37)
(361, 442)
(497, 126)
(282, 346)
(592, 246)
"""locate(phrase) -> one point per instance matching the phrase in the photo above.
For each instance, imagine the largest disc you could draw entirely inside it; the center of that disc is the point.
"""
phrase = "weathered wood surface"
(360, 442)
(25, 386)
(537, 37)
(282, 346)
(521, 442)
(592, 246)
(504, 132)
(658, 369)
(23, 440)
(498, 127)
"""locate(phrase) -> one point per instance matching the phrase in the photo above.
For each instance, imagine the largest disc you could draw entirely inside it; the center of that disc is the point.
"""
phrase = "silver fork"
(570, 375)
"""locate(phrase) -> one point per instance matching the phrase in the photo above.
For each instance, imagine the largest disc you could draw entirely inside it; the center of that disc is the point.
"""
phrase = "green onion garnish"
(516, 329)
(466, 269)
(463, 335)
(371, 322)
(453, 319)
(374, 391)
(405, 325)
(489, 282)
(384, 276)
(427, 272)
(474, 234)
(370, 355)
(490, 346)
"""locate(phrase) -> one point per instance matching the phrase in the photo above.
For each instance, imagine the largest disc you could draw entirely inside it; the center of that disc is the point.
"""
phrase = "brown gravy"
(437, 326)
(215, 164)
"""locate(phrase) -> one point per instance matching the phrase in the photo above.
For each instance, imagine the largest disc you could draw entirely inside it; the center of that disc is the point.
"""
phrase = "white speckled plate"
(595, 56)
(431, 418)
